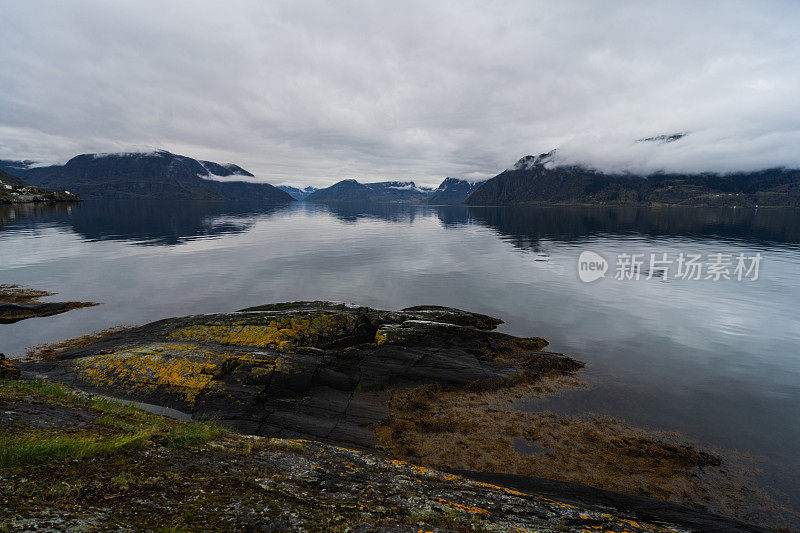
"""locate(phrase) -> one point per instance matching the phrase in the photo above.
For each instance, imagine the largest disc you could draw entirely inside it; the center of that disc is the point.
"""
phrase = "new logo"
(591, 266)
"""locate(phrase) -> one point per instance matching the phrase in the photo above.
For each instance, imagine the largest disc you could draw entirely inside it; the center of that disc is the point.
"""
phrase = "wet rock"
(315, 370)
(13, 312)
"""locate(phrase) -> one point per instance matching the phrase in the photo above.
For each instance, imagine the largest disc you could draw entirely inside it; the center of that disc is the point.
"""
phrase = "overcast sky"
(314, 92)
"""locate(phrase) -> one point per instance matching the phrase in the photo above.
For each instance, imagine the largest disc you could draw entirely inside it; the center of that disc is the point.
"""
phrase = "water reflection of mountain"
(143, 222)
(168, 223)
(355, 211)
(450, 216)
(526, 226)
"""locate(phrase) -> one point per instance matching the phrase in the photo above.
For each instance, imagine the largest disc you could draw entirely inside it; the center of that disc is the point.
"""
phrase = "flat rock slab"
(40, 416)
(316, 370)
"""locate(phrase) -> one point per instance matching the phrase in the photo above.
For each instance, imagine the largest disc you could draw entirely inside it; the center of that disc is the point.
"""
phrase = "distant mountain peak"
(446, 183)
(223, 169)
(529, 161)
(296, 192)
(453, 191)
(672, 137)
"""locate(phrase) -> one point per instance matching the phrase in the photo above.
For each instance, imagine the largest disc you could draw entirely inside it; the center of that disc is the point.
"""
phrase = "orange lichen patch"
(283, 333)
(462, 507)
(183, 368)
(8, 370)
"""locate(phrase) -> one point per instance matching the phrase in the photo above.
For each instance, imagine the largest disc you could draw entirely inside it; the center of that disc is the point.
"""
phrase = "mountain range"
(539, 180)
(532, 180)
(451, 191)
(386, 191)
(158, 174)
(296, 192)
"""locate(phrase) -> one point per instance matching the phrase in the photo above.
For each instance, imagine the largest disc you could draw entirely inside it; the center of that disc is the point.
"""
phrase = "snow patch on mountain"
(232, 177)
(547, 160)
(402, 186)
(135, 153)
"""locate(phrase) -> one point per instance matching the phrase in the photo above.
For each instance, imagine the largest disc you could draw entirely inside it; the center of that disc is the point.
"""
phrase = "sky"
(309, 93)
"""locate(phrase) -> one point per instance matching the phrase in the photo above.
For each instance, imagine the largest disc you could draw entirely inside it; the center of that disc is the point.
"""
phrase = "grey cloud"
(313, 92)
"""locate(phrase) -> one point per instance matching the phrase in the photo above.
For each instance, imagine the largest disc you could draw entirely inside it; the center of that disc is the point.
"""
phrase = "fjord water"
(717, 361)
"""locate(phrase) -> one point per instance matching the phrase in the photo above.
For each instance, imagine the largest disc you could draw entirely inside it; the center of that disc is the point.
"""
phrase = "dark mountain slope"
(535, 180)
(453, 191)
(159, 174)
(10, 179)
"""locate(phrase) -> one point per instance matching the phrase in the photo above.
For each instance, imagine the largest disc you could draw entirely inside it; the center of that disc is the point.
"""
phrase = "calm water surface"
(718, 361)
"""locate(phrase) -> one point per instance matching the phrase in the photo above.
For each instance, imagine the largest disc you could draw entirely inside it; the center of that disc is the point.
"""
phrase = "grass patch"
(31, 449)
(116, 428)
(185, 435)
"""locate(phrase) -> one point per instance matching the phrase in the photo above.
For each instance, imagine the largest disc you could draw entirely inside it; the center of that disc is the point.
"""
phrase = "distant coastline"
(14, 190)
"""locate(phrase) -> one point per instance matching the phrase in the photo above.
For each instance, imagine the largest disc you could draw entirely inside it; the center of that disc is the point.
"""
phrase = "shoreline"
(283, 346)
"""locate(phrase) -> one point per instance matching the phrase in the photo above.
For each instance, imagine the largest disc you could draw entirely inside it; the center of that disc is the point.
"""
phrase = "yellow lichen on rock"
(283, 333)
(183, 368)
(381, 337)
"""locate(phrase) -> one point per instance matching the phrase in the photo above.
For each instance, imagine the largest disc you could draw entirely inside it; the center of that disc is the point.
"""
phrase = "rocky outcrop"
(129, 471)
(307, 369)
(12, 312)
(432, 384)
(17, 303)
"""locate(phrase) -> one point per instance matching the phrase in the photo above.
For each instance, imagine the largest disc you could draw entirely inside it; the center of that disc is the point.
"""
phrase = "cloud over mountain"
(313, 93)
